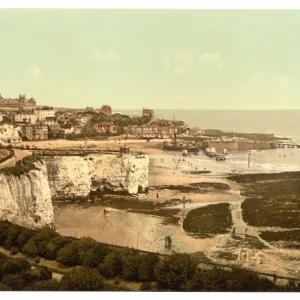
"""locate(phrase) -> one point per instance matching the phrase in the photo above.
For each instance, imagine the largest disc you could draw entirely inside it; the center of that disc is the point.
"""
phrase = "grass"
(209, 220)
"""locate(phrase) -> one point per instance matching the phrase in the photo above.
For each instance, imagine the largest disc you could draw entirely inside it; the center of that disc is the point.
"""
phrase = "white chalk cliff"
(27, 200)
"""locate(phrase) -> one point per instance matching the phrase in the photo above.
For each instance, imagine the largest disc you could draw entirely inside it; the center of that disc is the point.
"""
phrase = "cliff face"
(76, 176)
(27, 199)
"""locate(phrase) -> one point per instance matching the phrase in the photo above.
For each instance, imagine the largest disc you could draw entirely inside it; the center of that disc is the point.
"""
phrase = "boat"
(220, 157)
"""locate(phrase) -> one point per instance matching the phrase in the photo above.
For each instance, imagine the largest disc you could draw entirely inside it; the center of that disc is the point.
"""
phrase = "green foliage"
(12, 235)
(4, 287)
(69, 255)
(112, 266)
(94, 256)
(174, 272)
(14, 266)
(54, 245)
(145, 286)
(23, 237)
(89, 129)
(37, 244)
(47, 285)
(14, 281)
(82, 279)
(130, 267)
(146, 267)
(37, 274)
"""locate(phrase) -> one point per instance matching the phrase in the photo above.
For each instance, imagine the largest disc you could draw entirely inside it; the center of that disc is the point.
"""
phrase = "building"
(148, 112)
(106, 109)
(36, 132)
(106, 127)
(17, 103)
(50, 121)
(29, 118)
(43, 113)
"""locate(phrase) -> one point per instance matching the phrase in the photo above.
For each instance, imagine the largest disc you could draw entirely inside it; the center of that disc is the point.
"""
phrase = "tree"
(48, 285)
(23, 237)
(14, 281)
(82, 279)
(11, 266)
(94, 256)
(130, 267)
(30, 248)
(175, 271)
(37, 274)
(146, 267)
(112, 266)
(54, 245)
(4, 287)
(69, 255)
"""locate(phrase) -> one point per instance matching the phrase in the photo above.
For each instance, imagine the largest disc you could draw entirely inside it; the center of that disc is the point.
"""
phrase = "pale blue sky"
(192, 59)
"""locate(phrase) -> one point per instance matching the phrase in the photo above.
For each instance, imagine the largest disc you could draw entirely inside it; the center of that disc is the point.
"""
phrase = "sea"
(281, 123)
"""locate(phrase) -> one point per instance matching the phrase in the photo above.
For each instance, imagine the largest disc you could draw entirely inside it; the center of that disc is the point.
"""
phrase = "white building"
(29, 118)
(43, 113)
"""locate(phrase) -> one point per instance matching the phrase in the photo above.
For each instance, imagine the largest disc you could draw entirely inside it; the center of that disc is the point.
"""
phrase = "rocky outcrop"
(26, 198)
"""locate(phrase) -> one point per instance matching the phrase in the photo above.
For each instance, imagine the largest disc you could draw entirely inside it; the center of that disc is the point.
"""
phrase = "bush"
(54, 245)
(14, 281)
(146, 267)
(82, 279)
(23, 237)
(14, 250)
(94, 256)
(130, 267)
(48, 285)
(30, 248)
(4, 287)
(69, 255)
(12, 235)
(174, 272)
(37, 274)
(145, 286)
(112, 266)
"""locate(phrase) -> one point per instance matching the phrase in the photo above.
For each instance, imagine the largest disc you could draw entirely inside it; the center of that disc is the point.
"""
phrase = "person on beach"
(157, 196)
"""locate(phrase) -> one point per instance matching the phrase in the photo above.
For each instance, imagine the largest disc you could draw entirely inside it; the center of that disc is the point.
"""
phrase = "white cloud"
(106, 55)
(186, 61)
(35, 71)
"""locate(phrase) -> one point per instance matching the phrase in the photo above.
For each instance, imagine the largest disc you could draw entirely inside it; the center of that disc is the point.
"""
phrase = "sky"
(160, 59)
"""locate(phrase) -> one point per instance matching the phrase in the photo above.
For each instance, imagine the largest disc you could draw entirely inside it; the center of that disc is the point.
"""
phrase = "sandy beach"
(147, 232)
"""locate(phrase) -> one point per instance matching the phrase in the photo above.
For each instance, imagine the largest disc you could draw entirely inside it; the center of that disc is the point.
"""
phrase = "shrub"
(14, 281)
(146, 267)
(145, 286)
(54, 245)
(37, 274)
(112, 266)
(48, 285)
(30, 248)
(23, 237)
(69, 255)
(12, 235)
(130, 267)
(14, 250)
(94, 256)
(82, 279)
(174, 272)
(4, 287)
